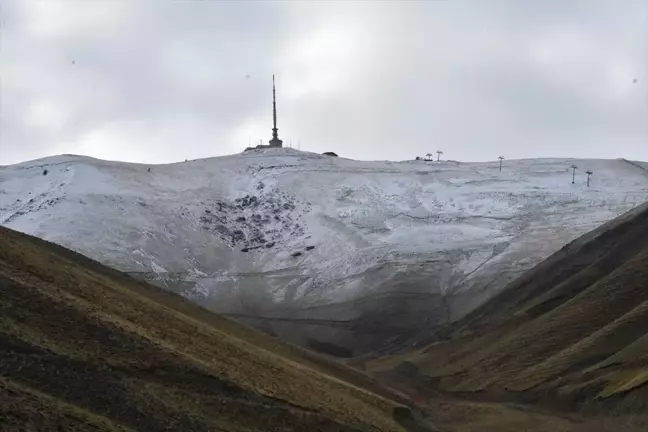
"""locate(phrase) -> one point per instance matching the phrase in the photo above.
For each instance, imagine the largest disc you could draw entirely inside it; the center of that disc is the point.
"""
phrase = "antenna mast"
(275, 141)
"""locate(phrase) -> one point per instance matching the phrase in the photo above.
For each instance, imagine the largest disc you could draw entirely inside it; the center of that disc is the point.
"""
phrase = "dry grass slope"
(87, 348)
(571, 334)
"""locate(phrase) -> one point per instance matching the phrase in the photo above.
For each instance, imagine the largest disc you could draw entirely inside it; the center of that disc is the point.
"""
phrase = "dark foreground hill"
(571, 335)
(83, 347)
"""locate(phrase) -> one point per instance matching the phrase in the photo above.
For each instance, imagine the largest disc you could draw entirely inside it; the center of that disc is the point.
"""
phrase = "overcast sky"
(164, 80)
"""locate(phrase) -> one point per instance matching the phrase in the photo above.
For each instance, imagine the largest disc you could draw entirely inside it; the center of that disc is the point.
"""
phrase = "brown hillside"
(571, 334)
(83, 347)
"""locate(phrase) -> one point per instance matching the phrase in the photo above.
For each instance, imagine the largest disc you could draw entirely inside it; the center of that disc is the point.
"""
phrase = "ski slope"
(280, 232)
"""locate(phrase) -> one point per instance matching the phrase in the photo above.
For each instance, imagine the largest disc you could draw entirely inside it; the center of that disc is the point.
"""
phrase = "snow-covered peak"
(286, 227)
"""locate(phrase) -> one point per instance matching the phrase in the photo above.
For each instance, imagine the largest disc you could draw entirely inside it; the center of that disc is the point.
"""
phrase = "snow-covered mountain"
(327, 247)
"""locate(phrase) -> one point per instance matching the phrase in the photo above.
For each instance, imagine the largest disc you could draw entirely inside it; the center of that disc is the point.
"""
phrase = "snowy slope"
(276, 232)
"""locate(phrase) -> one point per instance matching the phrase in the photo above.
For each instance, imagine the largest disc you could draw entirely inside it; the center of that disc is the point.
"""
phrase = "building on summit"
(275, 142)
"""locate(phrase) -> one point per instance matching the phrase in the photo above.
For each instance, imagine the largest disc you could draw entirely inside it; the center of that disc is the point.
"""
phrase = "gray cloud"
(163, 81)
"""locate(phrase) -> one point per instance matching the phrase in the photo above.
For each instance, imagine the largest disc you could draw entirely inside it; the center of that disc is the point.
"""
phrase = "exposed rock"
(272, 209)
